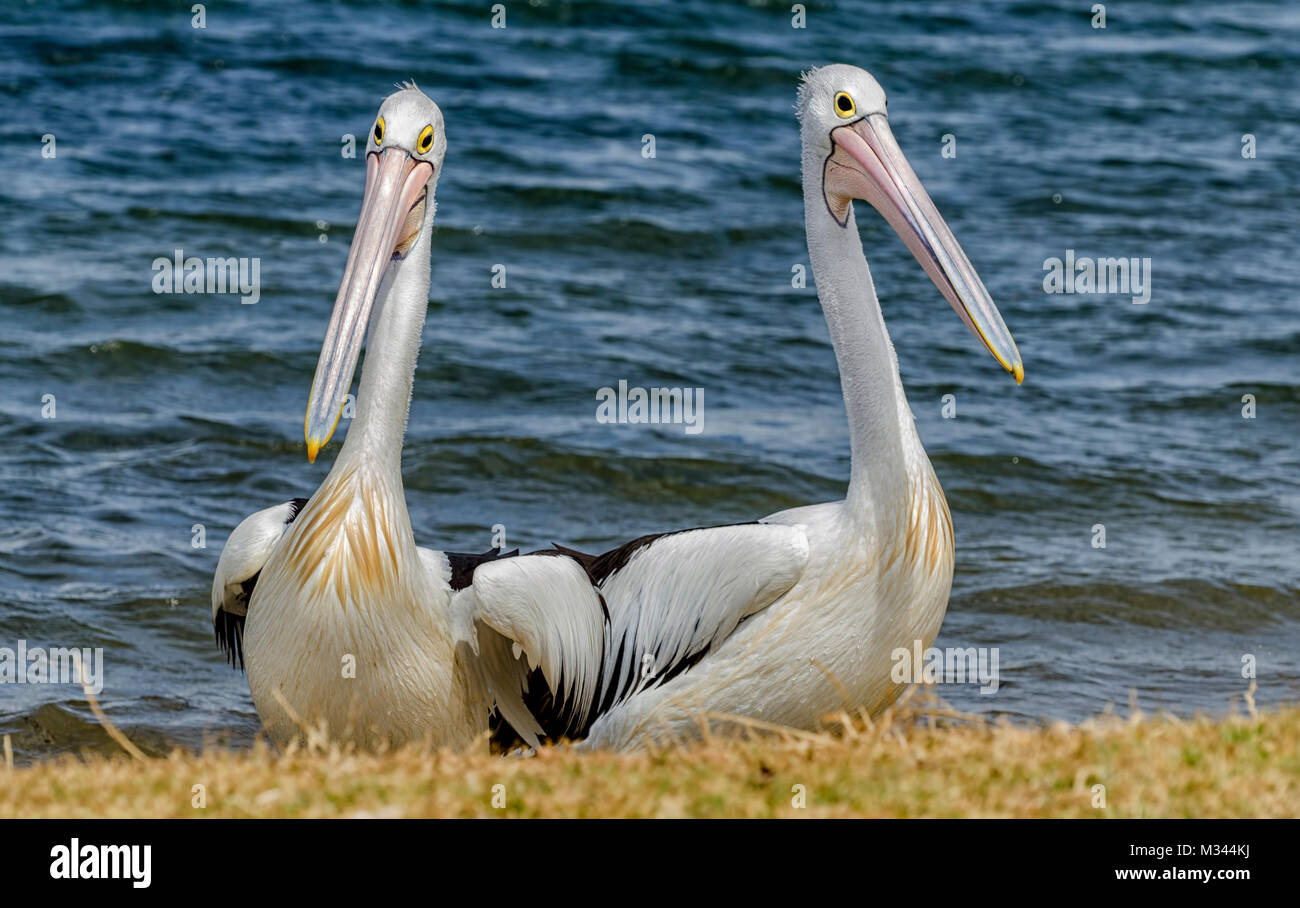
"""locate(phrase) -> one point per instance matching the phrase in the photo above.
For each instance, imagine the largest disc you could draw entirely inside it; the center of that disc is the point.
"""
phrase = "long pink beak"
(885, 179)
(394, 183)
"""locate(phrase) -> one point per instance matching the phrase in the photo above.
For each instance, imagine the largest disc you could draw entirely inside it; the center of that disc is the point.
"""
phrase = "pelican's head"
(842, 112)
(404, 152)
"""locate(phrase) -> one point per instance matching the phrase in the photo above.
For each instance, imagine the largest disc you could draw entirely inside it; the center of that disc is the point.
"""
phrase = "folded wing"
(563, 636)
(241, 561)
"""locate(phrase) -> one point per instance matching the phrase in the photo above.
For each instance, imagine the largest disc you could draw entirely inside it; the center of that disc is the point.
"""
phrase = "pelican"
(783, 621)
(341, 622)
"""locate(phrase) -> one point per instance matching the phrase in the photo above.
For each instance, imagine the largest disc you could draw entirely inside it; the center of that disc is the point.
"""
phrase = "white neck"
(881, 432)
(388, 373)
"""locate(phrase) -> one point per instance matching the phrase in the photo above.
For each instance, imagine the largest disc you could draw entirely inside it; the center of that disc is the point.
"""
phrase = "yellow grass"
(914, 762)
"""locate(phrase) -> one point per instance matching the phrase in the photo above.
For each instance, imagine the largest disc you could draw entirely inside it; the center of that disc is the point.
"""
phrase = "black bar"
(613, 859)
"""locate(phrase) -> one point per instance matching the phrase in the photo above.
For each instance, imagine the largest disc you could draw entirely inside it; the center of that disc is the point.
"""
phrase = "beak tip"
(313, 448)
(1019, 371)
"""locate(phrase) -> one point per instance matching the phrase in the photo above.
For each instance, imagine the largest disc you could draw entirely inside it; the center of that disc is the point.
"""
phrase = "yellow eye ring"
(844, 106)
(379, 131)
(425, 142)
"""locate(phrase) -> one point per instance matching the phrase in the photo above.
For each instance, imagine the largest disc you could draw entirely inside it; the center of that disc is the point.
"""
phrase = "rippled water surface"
(177, 410)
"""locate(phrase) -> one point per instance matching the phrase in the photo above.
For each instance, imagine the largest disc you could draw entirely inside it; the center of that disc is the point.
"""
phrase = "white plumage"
(785, 620)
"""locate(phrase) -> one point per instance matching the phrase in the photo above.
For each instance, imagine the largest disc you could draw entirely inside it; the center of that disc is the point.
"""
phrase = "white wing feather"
(245, 553)
(673, 599)
(686, 592)
(544, 609)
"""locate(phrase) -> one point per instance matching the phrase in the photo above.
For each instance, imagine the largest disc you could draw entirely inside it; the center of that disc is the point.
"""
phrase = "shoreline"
(915, 761)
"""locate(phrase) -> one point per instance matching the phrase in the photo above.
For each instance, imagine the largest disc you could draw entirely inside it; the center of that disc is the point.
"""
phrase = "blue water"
(177, 410)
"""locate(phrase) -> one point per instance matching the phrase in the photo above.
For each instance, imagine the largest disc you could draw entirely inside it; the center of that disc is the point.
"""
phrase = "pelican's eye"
(379, 131)
(844, 106)
(425, 142)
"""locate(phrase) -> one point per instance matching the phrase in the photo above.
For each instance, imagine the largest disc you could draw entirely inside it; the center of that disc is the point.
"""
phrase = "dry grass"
(914, 762)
